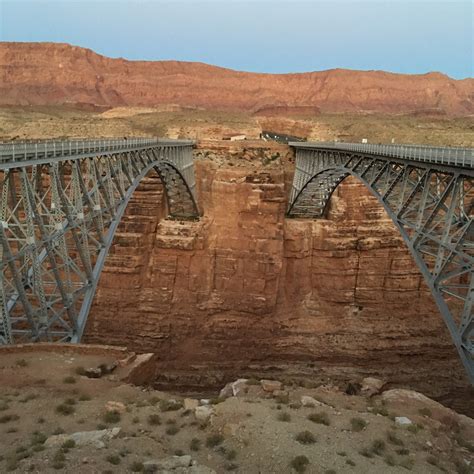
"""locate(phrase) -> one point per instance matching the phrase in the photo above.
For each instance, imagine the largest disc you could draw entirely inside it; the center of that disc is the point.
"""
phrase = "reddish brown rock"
(55, 73)
(245, 287)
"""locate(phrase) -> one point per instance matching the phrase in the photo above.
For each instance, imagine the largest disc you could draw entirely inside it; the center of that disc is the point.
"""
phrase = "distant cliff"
(52, 73)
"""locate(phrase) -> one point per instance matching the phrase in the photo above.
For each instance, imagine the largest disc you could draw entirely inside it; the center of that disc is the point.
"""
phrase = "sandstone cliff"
(51, 73)
(247, 289)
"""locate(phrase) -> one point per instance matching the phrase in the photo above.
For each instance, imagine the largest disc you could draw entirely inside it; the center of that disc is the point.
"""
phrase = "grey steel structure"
(60, 206)
(428, 193)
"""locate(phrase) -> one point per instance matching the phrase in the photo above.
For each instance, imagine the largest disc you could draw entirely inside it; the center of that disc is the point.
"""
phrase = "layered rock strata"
(53, 73)
(246, 289)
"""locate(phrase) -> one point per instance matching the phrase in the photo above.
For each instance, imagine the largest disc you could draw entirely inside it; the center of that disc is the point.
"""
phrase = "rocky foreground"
(65, 409)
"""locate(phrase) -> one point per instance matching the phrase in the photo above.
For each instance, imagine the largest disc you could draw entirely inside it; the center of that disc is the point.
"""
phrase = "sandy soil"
(67, 122)
(254, 432)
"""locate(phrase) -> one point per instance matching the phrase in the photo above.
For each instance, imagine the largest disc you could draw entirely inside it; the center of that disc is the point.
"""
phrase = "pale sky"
(262, 35)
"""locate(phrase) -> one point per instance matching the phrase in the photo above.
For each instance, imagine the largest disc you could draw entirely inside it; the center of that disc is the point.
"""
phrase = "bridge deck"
(25, 152)
(458, 157)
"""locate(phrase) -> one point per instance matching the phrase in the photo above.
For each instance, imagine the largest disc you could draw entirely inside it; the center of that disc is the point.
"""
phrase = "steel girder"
(58, 217)
(431, 204)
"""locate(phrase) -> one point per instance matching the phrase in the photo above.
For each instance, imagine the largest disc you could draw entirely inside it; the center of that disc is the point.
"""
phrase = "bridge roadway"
(62, 201)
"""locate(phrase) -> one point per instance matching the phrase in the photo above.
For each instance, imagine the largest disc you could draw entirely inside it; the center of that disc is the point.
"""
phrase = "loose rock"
(371, 386)
(84, 438)
(270, 385)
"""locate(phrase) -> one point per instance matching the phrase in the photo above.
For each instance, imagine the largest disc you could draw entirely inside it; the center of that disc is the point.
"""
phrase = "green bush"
(112, 416)
(284, 416)
(113, 459)
(321, 418)
(64, 409)
(154, 419)
(214, 440)
(358, 424)
(299, 463)
(305, 437)
(195, 444)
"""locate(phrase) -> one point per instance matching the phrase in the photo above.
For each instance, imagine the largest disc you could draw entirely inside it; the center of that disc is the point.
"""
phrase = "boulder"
(232, 389)
(115, 406)
(203, 413)
(308, 401)
(371, 386)
(270, 385)
(96, 438)
(93, 373)
(190, 403)
(167, 464)
(403, 420)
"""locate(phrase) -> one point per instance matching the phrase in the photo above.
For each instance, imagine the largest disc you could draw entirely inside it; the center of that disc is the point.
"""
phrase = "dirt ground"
(257, 431)
(174, 122)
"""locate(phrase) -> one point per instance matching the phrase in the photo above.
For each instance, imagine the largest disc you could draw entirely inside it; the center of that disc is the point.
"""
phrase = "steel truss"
(59, 210)
(431, 204)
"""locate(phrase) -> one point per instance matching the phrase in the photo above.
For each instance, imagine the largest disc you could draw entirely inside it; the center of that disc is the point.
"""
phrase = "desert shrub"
(378, 446)
(9, 418)
(434, 461)
(154, 419)
(252, 381)
(22, 363)
(59, 460)
(80, 370)
(170, 405)
(389, 460)
(330, 471)
(40, 420)
(84, 398)
(38, 437)
(341, 453)
(305, 437)
(137, 466)
(231, 455)
(415, 428)
(64, 409)
(113, 459)
(299, 463)
(394, 439)
(69, 401)
(101, 426)
(172, 430)
(111, 416)
(403, 452)
(366, 452)
(282, 398)
(69, 379)
(358, 424)
(68, 444)
(195, 444)
(464, 443)
(284, 416)
(214, 440)
(321, 418)
(350, 462)
(424, 411)
(407, 463)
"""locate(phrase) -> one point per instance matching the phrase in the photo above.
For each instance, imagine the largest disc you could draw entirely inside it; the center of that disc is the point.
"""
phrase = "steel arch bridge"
(60, 205)
(428, 193)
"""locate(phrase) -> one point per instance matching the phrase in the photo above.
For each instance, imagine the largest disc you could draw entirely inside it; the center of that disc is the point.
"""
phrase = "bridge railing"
(462, 157)
(49, 149)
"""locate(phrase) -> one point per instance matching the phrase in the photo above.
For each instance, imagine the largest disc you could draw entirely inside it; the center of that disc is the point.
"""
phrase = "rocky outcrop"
(247, 289)
(52, 73)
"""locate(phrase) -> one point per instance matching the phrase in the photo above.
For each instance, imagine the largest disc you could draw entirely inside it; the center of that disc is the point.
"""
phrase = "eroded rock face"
(247, 288)
(47, 73)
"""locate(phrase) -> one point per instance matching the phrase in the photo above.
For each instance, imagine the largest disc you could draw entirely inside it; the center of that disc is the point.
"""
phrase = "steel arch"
(58, 216)
(430, 203)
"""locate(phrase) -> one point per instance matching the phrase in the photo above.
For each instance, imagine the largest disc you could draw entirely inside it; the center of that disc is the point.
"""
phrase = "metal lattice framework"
(428, 193)
(61, 203)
